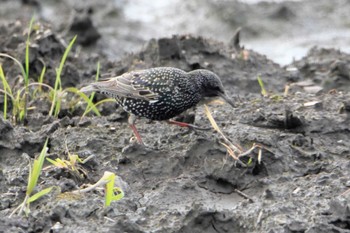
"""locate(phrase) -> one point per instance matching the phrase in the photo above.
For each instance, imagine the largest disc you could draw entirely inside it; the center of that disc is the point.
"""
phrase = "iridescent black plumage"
(160, 93)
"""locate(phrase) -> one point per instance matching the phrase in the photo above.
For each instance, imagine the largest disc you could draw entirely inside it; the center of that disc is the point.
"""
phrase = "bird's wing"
(130, 85)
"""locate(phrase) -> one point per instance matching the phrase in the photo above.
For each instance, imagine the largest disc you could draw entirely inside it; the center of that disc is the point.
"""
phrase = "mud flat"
(184, 181)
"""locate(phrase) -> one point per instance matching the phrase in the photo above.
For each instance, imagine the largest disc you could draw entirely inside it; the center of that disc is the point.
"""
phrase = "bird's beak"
(88, 89)
(227, 99)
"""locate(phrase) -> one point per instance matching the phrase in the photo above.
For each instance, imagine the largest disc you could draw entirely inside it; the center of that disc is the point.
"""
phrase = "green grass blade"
(5, 107)
(261, 84)
(55, 93)
(55, 109)
(5, 84)
(26, 78)
(6, 88)
(16, 103)
(58, 162)
(98, 103)
(53, 162)
(16, 61)
(90, 105)
(109, 189)
(39, 194)
(41, 78)
(22, 114)
(34, 173)
(88, 109)
(64, 57)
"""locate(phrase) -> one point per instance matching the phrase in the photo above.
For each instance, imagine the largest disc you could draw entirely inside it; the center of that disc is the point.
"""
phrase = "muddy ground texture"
(184, 181)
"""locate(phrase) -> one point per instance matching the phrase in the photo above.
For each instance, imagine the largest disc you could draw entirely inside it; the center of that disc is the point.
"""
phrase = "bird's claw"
(187, 125)
(198, 128)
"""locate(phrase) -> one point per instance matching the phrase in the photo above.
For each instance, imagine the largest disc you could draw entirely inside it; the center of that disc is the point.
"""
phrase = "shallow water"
(165, 18)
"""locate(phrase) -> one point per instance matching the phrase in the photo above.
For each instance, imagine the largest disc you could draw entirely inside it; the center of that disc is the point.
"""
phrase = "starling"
(160, 93)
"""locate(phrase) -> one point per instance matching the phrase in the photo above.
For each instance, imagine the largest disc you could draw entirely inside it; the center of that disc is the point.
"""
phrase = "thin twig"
(244, 195)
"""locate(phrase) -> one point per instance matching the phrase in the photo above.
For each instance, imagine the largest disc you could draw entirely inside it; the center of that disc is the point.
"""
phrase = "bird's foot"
(136, 148)
(187, 125)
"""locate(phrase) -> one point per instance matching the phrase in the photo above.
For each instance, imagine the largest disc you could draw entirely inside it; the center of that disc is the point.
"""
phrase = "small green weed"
(18, 101)
(261, 84)
(112, 193)
(57, 92)
(71, 164)
(20, 97)
(33, 177)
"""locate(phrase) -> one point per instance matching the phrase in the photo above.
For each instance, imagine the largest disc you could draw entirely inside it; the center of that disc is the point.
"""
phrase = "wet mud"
(183, 180)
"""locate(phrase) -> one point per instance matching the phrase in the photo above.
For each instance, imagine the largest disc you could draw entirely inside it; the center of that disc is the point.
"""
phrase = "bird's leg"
(131, 121)
(187, 125)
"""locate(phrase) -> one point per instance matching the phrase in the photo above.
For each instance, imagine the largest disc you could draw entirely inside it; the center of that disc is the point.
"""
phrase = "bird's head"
(210, 84)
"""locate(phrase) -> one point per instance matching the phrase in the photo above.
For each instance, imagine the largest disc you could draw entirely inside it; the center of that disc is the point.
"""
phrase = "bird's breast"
(166, 107)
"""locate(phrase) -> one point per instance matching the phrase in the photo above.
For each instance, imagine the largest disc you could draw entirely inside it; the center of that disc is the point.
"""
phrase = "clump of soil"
(184, 181)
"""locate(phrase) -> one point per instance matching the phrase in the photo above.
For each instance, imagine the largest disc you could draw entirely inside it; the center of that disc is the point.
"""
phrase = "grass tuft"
(18, 101)
(112, 193)
(34, 173)
(90, 104)
(261, 84)
(72, 164)
(56, 101)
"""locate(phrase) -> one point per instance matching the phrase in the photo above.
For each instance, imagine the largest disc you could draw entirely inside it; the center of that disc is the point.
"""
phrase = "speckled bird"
(160, 93)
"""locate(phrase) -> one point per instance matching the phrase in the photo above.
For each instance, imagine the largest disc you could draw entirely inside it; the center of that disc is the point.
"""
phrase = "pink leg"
(183, 124)
(131, 121)
(136, 133)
